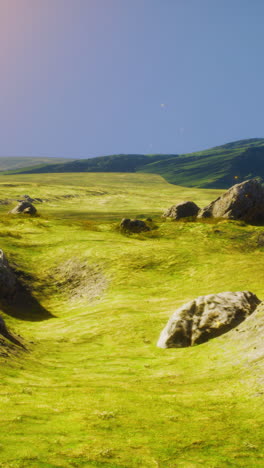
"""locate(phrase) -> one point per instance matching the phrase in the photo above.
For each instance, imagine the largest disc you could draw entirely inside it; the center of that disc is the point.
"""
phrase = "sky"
(82, 78)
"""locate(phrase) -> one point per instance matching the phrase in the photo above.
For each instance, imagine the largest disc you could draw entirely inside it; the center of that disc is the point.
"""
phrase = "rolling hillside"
(218, 167)
(112, 163)
(14, 163)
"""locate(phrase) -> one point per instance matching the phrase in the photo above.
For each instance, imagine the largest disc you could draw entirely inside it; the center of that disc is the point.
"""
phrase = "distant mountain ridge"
(218, 167)
(111, 163)
(17, 162)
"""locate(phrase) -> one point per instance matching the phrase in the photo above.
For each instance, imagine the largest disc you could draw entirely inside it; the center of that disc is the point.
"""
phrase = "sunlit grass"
(94, 390)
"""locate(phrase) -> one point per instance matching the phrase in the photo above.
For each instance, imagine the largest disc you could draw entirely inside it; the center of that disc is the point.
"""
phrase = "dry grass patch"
(79, 280)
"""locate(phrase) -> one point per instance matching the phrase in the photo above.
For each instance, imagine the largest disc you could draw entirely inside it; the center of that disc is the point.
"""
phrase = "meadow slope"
(93, 390)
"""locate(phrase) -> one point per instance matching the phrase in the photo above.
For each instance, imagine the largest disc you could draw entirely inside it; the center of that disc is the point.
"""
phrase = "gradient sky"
(83, 78)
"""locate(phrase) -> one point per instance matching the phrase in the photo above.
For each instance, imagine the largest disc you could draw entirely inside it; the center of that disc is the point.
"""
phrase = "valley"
(93, 389)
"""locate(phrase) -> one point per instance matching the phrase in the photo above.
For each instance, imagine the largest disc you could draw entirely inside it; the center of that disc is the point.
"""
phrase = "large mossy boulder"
(24, 207)
(207, 317)
(243, 201)
(185, 209)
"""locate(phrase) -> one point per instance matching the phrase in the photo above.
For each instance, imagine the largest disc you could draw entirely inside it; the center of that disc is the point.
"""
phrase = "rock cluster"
(244, 201)
(133, 225)
(207, 317)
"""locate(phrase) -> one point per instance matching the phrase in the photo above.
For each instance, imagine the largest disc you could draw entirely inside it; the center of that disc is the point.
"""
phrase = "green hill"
(112, 163)
(218, 167)
(14, 163)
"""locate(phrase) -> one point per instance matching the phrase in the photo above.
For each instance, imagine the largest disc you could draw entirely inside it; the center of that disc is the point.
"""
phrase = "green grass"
(94, 390)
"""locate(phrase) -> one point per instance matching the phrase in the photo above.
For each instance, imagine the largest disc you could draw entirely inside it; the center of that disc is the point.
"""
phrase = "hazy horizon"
(86, 78)
(110, 154)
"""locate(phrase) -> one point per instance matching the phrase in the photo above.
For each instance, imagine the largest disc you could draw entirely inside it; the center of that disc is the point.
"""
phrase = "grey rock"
(182, 210)
(24, 207)
(8, 281)
(243, 201)
(207, 317)
(133, 225)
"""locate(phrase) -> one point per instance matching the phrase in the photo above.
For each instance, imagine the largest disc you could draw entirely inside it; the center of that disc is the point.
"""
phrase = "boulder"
(207, 317)
(24, 207)
(182, 210)
(8, 281)
(133, 225)
(243, 201)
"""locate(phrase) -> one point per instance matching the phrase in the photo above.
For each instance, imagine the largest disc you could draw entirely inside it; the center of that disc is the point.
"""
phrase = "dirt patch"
(79, 280)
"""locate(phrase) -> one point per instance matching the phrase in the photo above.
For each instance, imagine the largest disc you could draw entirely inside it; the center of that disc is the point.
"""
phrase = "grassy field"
(93, 390)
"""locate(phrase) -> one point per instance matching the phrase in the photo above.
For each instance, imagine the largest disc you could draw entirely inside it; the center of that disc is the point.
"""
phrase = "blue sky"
(83, 78)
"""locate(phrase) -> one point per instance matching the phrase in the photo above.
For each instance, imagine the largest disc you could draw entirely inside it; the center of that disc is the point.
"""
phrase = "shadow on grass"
(24, 306)
(102, 216)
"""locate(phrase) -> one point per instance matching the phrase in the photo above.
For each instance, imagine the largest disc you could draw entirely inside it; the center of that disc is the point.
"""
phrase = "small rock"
(133, 225)
(182, 210)
(24, 207)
